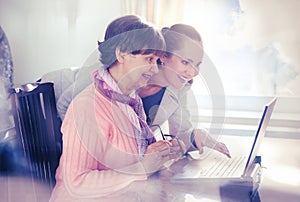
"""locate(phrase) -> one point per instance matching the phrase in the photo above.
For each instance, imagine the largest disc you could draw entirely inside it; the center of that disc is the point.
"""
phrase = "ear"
(163, 58)
(120, 55)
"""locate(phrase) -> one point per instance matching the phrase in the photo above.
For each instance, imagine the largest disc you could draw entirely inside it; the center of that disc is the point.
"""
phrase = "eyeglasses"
(169, 135)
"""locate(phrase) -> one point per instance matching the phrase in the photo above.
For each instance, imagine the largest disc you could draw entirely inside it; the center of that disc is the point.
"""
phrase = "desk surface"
(281, 177)
(281, 181)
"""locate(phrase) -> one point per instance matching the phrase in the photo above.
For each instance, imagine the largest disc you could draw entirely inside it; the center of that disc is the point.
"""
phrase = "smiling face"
(182, 65)
(137, 70)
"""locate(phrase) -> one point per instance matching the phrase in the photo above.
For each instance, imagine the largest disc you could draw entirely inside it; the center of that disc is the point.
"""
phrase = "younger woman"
(165, 96)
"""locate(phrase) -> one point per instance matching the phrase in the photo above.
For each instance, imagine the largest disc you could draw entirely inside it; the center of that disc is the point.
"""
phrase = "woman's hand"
(202, 138)
(178, 148)
(160, 152)
(156, 155)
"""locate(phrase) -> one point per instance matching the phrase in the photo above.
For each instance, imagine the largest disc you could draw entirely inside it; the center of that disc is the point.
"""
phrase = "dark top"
(151, 104)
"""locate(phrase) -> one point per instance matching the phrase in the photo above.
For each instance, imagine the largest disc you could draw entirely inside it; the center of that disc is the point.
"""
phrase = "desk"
(281, 182)
(281, 178)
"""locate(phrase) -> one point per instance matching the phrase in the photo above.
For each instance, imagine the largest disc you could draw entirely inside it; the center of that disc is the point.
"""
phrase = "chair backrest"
(38, 124)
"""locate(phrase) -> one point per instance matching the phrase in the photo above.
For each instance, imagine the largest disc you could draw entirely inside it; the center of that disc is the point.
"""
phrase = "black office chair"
(38, 125)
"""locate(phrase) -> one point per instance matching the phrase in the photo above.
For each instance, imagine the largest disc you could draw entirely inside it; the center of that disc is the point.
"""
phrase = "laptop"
(218, 166)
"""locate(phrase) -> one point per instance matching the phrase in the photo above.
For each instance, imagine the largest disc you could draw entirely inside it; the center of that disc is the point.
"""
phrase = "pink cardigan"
(99, 149)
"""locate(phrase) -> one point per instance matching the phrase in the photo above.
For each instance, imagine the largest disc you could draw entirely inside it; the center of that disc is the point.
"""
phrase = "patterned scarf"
(143, 135)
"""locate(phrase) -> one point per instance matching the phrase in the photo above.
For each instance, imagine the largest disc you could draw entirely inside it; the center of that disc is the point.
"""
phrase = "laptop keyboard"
(223, 167)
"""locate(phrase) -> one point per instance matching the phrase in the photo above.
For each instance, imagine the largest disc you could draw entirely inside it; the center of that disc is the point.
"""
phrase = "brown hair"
(175, 34)
(129, 34)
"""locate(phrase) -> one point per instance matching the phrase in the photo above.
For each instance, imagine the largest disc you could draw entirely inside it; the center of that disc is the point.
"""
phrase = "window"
(251, 55)
(251, 51)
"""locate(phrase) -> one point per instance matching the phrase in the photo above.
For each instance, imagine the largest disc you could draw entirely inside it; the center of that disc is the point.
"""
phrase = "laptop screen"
(260, 133)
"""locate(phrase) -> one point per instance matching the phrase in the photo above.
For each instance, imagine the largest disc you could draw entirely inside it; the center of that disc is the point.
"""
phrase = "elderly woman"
(106, 141)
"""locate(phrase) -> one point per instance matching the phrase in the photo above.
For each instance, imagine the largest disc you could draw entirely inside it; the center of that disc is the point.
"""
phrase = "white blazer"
(173, 108)
(68, 83)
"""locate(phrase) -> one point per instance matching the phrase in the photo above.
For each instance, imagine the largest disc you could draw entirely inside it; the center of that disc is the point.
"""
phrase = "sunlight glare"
(285, 175)
(191, 198)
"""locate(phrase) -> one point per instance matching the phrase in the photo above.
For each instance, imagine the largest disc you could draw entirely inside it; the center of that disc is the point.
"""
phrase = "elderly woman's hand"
(202, 138)
(160, 152)
(178, 148)
(156, 155)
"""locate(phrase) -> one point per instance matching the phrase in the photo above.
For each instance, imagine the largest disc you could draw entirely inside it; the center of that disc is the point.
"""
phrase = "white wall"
(51, 34)
(46, 35)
